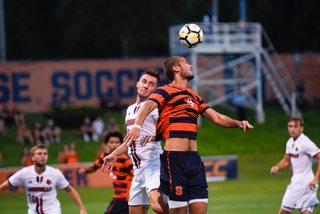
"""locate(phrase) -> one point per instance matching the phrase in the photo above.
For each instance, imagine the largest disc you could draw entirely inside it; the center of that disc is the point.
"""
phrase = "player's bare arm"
(4, 186)
(87, 170)
(110, 160)
(76, 198)
(282, 164)
(314, 182)
(133, 134)
(224, 121)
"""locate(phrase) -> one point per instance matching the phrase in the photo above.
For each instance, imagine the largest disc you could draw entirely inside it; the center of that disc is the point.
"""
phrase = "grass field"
(255, 191)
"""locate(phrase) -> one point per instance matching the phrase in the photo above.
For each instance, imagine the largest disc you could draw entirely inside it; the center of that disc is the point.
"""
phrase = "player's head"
(178, 64)
(148, 82)
(39, 155)
(295, 127)
(113, 140)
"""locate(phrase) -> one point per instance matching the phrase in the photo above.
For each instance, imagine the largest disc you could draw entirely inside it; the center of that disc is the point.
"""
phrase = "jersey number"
(190, 101)
(178, 190)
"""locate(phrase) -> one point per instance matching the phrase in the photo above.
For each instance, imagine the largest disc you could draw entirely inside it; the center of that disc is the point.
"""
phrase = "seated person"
(39, 134)
(62, 155)
(3, 129)
(52, 132)
(98, 126)
(87, 130)
(23, 134)
(26, 157)
(6, 115)
(18, 116)
(72, 155)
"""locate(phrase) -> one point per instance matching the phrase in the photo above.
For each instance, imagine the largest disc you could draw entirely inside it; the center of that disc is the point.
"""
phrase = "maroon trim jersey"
(179, 109)
(121, 174)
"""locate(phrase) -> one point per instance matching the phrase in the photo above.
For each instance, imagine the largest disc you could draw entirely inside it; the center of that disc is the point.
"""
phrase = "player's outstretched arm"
(133, 134)
(76, 198)
(226, 122)
(4, 186)
(90, 169)
(110, 160)
(313, 183)
(282, 164)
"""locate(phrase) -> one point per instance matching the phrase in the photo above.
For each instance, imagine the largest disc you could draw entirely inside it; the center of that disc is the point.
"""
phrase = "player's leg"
(138, 202)
(138, 209)
(307, 210)
(284, 211)
(118, 205)
(158, 202)
(198, 207)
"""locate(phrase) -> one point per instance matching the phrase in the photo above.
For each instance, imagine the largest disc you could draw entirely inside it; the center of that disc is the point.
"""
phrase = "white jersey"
(141, 155)
(301, 152)
(40, 189)
(297, 196)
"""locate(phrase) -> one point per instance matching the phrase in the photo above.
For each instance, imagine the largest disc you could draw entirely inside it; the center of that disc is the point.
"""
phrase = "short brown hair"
(152, 72)
(33, 149)
(296, 119)
(168, 65)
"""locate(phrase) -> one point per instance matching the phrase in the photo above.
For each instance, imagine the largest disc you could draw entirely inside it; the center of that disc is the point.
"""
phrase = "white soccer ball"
(190, 35)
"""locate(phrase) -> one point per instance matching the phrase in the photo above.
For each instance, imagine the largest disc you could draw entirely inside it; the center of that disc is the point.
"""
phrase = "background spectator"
(39, 134)
(17, 115)
(6, 115)
(103, 148)
(26, 157)
(63, 154)
(73, 156)
(23, 134)
(98, 126)
(112, 125)
(239, 101)
(52, 132)
(87, 130)
(3, 129)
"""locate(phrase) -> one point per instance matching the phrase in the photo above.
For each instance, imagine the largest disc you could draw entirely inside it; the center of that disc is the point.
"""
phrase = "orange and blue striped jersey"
(179, 109)
(121, 174)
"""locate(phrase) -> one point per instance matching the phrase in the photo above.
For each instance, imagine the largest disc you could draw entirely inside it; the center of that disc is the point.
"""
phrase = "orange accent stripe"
(169, 172)
(110, 208)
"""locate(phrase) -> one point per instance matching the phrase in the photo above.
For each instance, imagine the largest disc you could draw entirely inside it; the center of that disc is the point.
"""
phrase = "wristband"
(136, 125)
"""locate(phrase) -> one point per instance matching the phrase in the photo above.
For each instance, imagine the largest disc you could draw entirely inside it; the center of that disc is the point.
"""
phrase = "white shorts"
(144, 181)
(298, 197)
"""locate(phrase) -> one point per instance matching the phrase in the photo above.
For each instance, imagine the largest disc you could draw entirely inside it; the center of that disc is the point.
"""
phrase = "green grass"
(255, 191)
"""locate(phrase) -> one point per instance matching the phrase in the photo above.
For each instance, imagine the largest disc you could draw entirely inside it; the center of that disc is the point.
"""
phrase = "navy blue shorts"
(183, 176)
(118, 205)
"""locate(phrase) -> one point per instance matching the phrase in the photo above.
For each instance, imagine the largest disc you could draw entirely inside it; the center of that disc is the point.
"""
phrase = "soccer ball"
(190, 35)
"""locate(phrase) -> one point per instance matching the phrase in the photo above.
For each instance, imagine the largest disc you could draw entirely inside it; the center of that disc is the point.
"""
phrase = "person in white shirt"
(40, 182)
(145, 152)
(301, 193)
(98, 126)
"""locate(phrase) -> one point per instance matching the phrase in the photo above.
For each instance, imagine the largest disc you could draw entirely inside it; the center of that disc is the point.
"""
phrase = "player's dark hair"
(33, 149)
(168, 66)
(152, 72)
(113, 134)
(296, 119)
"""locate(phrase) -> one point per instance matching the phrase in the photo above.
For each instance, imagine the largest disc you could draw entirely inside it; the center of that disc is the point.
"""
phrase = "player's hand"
(244, 125)
(146, 139)
(81, 171)
(312, 185)
(108, 162)
(274, 170)
(83, 212)
(131, 136)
